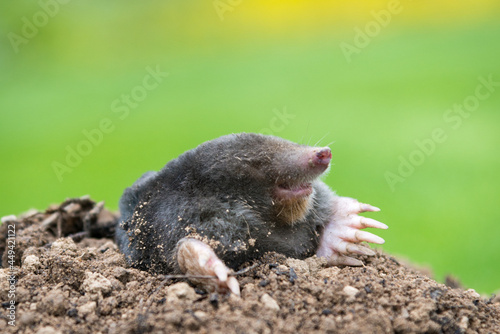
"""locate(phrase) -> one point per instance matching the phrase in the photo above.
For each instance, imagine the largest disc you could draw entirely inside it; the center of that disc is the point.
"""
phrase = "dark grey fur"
(222, 190)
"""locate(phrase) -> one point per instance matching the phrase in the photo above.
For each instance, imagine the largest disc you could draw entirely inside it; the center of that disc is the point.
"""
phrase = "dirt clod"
(87, 309)
(54, 302)
(180, 290)
(96, 283)
(31, 263)
(69, 283)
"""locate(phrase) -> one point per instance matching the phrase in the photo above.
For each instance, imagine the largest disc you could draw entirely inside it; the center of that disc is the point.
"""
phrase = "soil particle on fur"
(71, 278)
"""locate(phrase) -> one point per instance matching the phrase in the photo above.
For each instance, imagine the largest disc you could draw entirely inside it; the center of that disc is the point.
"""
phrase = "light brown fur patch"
(293, 210)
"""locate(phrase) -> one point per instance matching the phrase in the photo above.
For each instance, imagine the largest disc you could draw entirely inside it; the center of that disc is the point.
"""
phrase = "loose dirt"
(71, 278)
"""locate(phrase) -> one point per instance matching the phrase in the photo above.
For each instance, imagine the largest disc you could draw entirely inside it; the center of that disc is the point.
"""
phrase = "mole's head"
(272, 175)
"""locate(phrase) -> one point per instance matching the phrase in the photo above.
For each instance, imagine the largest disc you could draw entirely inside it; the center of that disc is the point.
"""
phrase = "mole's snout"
(322, 157)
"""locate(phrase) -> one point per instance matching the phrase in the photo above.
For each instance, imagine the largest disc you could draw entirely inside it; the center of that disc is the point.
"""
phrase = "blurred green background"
(239, 66)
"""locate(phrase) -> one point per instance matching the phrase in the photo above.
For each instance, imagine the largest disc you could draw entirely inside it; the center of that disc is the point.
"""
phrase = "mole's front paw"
(198, 259)
(342, 236)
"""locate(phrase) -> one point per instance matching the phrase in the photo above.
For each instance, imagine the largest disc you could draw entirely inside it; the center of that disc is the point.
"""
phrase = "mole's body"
(234, 198)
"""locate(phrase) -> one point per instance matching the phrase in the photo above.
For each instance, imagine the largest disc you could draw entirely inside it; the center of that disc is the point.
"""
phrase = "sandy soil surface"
(71, 278)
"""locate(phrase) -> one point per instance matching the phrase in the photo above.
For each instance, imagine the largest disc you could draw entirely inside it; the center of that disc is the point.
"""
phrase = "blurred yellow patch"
(279, 13)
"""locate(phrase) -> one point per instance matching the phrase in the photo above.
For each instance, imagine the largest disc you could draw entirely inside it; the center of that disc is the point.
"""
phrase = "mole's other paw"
(198, 259)
(342, 236)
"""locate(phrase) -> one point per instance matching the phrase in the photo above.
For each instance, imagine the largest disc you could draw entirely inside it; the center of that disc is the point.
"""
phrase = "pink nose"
(323, 156)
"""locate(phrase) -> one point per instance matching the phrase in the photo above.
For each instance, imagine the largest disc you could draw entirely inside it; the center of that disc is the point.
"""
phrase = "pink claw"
(368, 237)
(342, 235)
(198, 259)
(368, 222)
(357, 249)
(367, 208)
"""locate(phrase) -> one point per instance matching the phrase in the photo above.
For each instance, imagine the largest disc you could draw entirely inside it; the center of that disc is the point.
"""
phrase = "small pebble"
(473, 293)
(282, 268)
(463, 323)
(200, 315)
(27, 318)
(72, 208)
(350, 291)
(326, 311)
(87, 309)
(269, 302)
(293, 275)
(263, 283)
(72, 312)
(214, 300)
(48, 330)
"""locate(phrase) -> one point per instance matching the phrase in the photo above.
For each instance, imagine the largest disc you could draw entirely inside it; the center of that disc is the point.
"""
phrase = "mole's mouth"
(292, 192)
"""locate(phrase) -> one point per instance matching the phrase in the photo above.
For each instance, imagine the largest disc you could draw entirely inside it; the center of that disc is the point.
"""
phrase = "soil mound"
(70, 278)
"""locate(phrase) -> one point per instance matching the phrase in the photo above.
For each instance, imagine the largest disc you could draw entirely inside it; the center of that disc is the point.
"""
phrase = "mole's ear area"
(197, 259)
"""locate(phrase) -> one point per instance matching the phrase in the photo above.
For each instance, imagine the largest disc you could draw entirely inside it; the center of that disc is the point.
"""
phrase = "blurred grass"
(228, 76)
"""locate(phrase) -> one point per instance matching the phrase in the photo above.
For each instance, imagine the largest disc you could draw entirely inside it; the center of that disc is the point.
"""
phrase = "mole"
(232, 199)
